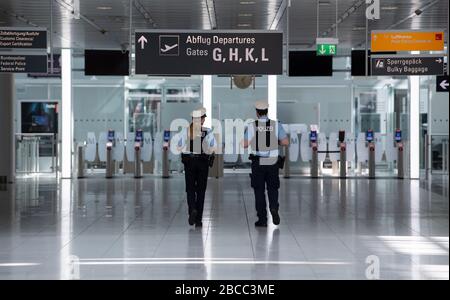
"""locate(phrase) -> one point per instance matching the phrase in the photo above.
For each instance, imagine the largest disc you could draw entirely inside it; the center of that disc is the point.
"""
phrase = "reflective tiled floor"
(137, 229)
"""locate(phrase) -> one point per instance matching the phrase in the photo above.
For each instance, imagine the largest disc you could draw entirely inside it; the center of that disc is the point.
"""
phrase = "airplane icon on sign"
(169, 45)
(168, 48)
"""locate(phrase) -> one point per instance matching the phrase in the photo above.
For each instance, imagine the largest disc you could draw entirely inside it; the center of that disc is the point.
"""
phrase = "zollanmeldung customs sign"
(407, 65)
(22, 38)
(171, 52)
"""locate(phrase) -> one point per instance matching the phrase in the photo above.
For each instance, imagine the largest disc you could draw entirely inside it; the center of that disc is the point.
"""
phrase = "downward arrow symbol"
(322, 50)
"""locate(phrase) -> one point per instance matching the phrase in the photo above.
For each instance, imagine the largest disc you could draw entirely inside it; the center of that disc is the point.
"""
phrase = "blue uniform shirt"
(250, 133)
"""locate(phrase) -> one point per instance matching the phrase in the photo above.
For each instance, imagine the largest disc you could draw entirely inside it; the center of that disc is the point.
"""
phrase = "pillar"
(7, 139)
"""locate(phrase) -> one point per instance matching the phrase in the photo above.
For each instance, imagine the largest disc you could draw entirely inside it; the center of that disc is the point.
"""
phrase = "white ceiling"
(105, 24)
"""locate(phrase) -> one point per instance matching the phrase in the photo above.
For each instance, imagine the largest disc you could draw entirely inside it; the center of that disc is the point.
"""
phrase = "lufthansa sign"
(166, 52)
(385, 41)
(407, 65)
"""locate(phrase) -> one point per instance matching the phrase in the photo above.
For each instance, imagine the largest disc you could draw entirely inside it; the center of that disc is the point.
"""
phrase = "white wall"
(439, 111)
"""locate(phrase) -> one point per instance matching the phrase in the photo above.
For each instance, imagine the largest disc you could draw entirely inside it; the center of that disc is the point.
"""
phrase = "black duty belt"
(196, 155)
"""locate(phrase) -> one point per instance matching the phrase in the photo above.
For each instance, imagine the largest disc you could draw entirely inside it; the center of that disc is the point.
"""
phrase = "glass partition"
(233, 99)
(324, 103)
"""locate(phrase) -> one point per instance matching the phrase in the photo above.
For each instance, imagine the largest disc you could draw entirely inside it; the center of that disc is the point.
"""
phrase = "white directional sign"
(442, 84)
(407, 65)
(232, 52)
(142, 40)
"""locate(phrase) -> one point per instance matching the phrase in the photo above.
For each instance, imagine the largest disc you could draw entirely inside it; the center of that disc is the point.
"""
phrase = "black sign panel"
(56, 68)
(359, 58)
(407, 65)
(16, 38)
(442, 84)
(308, 64)
(209, 52)
(16, 63)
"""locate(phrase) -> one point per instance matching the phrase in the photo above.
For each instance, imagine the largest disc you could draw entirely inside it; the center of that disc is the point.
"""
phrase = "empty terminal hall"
(216, 140)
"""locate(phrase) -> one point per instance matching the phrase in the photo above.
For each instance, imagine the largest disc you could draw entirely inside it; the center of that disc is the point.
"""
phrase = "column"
(7, 149)
(207, 99)
(66, 114)
(272, 96)
(414, 127)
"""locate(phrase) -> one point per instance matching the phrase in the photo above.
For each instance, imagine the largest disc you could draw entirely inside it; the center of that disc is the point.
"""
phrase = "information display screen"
(308, 64)
(39, 117)
(106, 63)
(369, 136)
(341, 136)
(111, 136)
(398, 135)
(139, 137)
(313, 136)
(166, 136)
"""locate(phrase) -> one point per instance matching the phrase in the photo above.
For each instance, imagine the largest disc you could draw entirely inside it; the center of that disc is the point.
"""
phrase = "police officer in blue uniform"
(264, 136)
(197, 145)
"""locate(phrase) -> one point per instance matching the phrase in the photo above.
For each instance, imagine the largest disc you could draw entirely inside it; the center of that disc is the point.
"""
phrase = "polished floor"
(137, 229)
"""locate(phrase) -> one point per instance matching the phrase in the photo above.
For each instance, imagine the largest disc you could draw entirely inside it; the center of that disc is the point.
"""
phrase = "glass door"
(233, 102)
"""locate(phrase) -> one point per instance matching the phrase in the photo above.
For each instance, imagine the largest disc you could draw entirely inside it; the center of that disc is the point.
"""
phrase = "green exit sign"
(326, 49)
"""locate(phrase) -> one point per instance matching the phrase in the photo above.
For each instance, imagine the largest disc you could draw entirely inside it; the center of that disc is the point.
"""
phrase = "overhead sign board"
(407, 41)
(326, 49)
(171, 52)
(23, 38)
(442, 84)
(326, 46)
(23, 63)
(408, 65)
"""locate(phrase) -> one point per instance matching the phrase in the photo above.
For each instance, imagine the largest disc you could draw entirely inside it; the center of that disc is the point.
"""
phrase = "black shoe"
(275, 216)
(192, 217)
(198, 224)
(260, 223)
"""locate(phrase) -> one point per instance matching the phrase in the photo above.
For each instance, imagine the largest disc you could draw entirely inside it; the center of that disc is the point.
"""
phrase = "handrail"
(34, 134)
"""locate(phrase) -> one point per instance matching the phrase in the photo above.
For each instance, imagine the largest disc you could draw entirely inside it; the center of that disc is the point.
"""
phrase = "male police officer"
(264, 136)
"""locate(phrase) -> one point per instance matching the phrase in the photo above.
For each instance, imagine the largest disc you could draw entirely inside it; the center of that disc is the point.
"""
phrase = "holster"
(280, 162)
(185, 158)
(253, 158)
(211, 160)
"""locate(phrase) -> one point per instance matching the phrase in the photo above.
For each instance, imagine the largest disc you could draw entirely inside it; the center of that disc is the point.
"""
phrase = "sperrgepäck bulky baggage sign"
(407, 65)
(23, 38)
(174, 52)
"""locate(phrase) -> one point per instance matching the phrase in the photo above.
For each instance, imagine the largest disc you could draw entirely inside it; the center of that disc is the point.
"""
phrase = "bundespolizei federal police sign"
(171, 52)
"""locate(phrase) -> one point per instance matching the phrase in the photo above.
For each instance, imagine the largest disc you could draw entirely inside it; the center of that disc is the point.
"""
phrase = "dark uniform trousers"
(262, 176)
(196, 181)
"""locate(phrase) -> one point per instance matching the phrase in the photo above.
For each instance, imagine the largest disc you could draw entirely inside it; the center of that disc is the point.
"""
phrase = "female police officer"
(197, 144)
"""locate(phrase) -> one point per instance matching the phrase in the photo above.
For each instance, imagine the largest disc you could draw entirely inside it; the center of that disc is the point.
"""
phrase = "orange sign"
(407, 41)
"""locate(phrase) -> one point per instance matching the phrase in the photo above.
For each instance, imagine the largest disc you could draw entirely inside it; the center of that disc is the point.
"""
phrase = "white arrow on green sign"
(326, 49)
